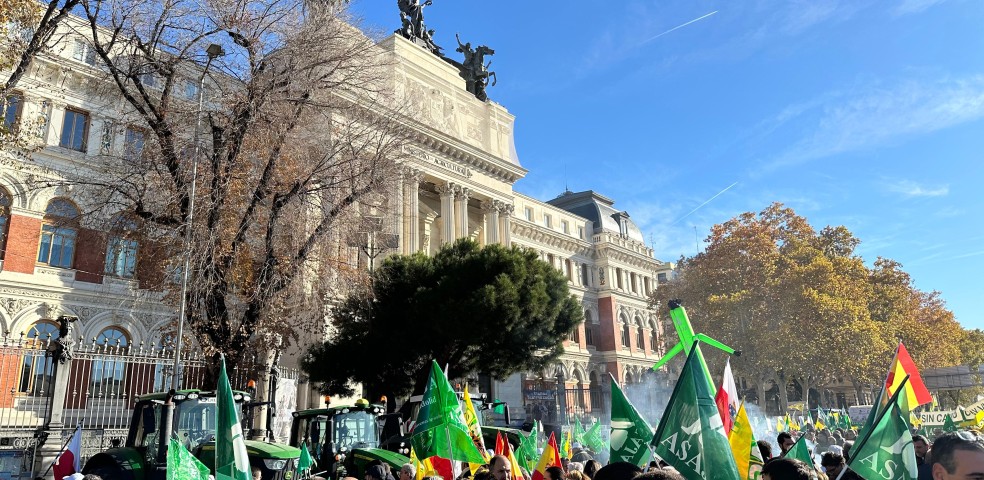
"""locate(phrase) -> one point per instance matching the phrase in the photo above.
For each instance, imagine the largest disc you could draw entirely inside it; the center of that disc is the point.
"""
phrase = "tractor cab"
(343, 439)
(144, 457)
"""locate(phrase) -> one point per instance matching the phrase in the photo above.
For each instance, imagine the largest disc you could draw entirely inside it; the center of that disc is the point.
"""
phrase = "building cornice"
(525, 230)
(466, 154)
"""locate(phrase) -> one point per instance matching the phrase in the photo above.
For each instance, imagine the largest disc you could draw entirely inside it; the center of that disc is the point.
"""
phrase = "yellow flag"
(779, 425)
(979, 418)
(819, 425)
(748, 458)
(474, 427)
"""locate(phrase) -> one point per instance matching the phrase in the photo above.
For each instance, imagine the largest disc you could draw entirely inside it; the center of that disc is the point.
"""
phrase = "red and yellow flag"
(501, 445)
(432, 466)
(517, 474)
(915, 390)
(550, 458)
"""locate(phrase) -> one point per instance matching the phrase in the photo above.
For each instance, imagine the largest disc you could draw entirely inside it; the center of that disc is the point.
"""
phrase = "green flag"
(906, 412)
(948, 425)
(526, 453)
(182, 465)
(630, 432)
(305, 462)
(578, 431)
(691, 436)
(877, 407)
(592, 438)
(801, 452)
(887, 452)
(231, 460)
(440, 430)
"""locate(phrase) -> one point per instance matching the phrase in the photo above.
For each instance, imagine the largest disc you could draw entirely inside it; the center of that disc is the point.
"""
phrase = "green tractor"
(343, 440)
(144, 457)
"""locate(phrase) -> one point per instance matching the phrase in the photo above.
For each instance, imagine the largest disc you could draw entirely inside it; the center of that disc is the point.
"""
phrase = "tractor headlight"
(275, 464)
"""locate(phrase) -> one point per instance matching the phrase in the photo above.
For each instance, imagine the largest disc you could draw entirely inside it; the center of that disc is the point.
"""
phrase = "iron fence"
(103, 382)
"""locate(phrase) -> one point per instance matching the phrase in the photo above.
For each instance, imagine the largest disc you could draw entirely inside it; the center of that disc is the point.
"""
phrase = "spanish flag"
(915, 390)
(550, 458)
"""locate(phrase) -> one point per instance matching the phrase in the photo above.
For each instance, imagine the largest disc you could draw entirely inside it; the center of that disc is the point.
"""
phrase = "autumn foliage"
(805, 310)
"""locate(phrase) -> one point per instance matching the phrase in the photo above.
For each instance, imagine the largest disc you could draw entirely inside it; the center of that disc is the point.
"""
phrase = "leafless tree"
(299, 135)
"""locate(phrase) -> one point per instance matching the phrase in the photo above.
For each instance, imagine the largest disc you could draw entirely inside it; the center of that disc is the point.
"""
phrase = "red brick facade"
(90, 256)
(22, 244)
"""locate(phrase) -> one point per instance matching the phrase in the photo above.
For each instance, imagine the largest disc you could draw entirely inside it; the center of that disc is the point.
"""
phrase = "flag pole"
(892, 402)
(447, 429)
(78, 428)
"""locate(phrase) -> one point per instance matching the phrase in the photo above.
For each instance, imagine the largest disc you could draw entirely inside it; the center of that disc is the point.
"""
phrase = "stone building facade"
(458, 182)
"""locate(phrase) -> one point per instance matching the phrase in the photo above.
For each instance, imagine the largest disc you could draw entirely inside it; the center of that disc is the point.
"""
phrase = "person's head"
(785, 441)
(847, 449)
(575, 467)
(810, 436)
(378, 472)
(617, 471)
(483, 473)
(785, 469)
(920, 445)
(501, 468)
(554, 473)
(957, 455)
(850, 435)
(765, 448)
(591, 467)
(575, 475)
(408, 471)
(832, 464)
(659, 475)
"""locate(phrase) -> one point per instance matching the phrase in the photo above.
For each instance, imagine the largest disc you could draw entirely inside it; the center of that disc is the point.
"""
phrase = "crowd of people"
(944, 456)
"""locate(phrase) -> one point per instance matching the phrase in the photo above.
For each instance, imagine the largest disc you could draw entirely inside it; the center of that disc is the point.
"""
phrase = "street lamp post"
(213, 52)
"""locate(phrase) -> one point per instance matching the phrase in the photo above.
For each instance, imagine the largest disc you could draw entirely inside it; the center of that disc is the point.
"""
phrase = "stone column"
(59, 352)
(398, 214)
(411, 187)
(491, 209)
(505, 214)
(461, 212)
(447, 192)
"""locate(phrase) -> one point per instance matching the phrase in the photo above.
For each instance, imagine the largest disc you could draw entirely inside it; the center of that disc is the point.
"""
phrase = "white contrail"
(705, 203)
(679, 27)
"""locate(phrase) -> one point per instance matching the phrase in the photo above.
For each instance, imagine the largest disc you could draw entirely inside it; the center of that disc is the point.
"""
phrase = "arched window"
(626, 334)
(653, 337)
(588, 328)
(640, 335)
(6, 201)
(108, 369)
(576, 335)
(58, 233)
(36, 369)
(121, 251)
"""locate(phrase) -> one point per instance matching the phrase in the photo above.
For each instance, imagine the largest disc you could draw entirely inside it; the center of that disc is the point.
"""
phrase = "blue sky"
(858, 113)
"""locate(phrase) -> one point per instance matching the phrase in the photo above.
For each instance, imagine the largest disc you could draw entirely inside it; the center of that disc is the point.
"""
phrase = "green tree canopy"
(490, 310)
